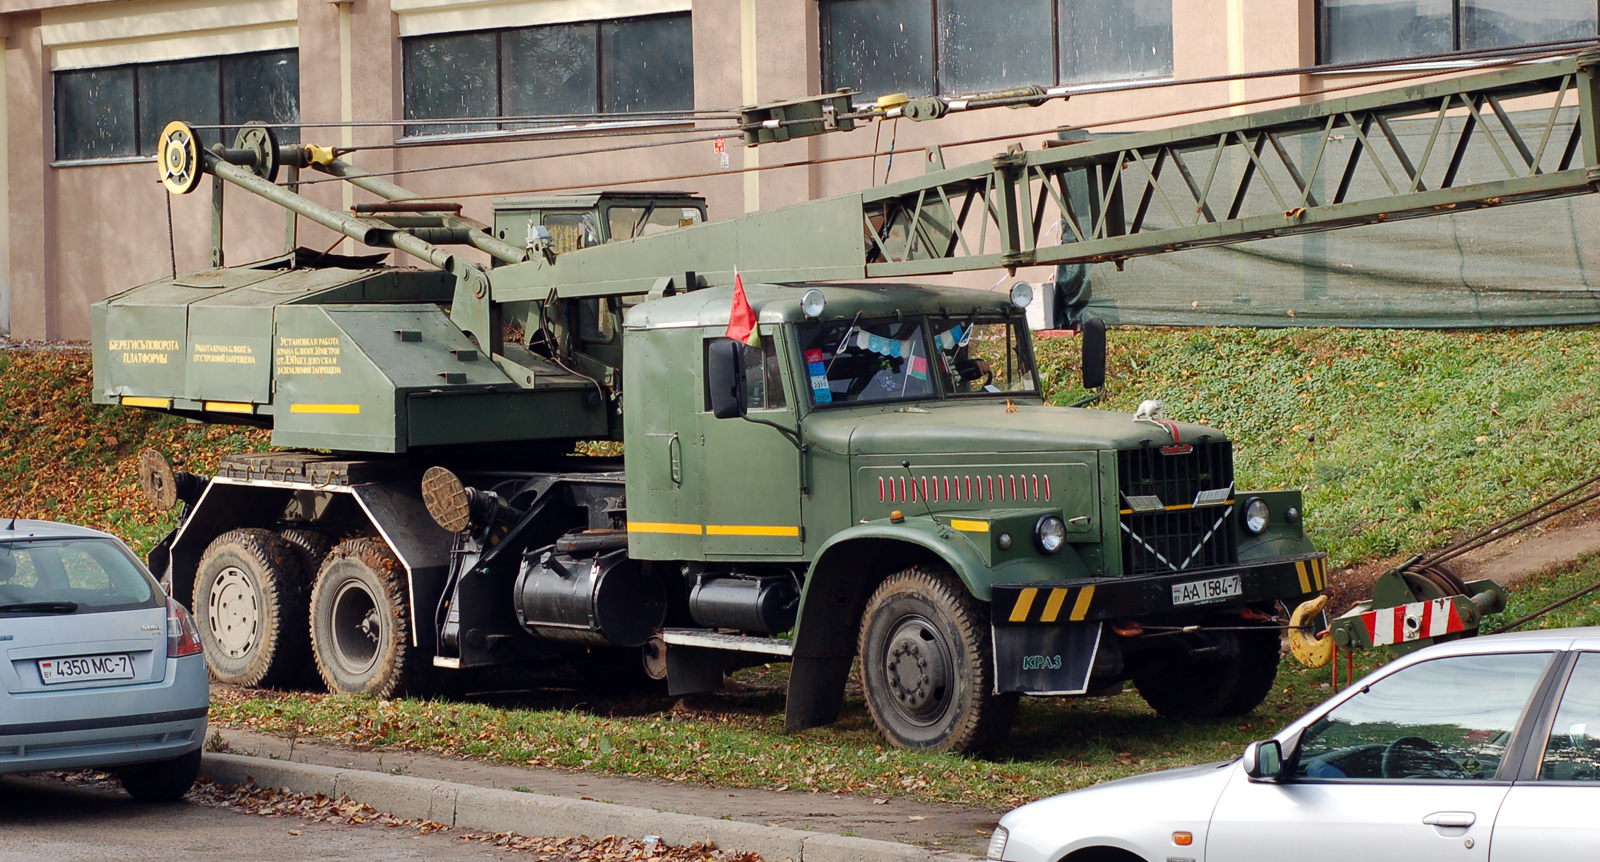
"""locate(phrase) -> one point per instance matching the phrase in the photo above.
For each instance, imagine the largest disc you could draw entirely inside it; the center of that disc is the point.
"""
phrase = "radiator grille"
(1157, 542)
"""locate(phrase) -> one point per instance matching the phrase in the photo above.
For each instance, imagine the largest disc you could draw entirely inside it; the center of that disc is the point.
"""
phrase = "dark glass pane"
(263, 88)
(451, 76)
(648, 64)
(994, 44)
(178, 91)
(1115, 40)
(94, 114)
(1356, 30)
(878, 47)
(1493, 23)
(550, 70)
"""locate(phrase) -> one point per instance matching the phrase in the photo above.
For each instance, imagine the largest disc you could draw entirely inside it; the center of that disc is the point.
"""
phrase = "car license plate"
(1208, 590)
(86, 668)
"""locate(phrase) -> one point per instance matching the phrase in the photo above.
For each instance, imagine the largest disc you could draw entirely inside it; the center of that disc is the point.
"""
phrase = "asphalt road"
(43, 821)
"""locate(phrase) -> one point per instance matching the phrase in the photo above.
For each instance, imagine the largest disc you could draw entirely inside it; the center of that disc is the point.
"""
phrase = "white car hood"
(1137, 814)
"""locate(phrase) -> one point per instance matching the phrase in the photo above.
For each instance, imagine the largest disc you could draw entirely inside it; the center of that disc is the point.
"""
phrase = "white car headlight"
(1256, 515)
(997, 842)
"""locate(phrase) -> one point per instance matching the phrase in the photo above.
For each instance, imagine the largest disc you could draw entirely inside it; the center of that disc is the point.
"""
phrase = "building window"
(923, 47)
(1352, 31)
(621, 66)
(120, 111)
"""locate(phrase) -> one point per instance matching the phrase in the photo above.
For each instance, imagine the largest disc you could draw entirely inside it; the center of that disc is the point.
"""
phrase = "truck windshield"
(980, 357)
(897, 360)
(71, 576)
(863, 362)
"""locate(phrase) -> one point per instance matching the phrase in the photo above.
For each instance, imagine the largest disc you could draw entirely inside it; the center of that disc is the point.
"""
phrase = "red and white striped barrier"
(1412, 622)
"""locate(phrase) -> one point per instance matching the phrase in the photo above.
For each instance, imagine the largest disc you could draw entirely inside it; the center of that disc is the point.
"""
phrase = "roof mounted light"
(812, 302)
(1022, 294)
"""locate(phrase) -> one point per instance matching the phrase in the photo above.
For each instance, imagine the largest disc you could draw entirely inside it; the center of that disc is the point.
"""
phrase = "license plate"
(86, 668)
(1208, 590)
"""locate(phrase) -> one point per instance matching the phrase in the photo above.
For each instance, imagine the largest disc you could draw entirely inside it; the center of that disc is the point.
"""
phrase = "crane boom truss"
(1216, 182)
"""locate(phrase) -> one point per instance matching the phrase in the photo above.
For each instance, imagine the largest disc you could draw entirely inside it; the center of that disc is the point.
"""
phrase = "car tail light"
(182, 637)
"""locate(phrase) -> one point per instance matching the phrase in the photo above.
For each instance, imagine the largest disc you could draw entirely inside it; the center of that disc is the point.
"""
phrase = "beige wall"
(79, 233)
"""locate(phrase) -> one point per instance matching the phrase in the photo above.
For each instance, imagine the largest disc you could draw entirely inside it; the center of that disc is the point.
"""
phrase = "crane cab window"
(630, 222)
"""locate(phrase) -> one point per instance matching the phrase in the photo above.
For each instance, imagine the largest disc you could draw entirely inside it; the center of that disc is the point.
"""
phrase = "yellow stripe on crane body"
(229, 407)
(752, 530)
(339, 409)
(660, 527)
(143, 401)
(1019, 611)
(1060, 604)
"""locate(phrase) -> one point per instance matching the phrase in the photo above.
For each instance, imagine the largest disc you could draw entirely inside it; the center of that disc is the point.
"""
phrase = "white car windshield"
(67, 576)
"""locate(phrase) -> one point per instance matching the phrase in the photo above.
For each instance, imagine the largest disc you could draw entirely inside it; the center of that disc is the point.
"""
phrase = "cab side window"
(763, 379)
(1415, 723)
(1573, 751)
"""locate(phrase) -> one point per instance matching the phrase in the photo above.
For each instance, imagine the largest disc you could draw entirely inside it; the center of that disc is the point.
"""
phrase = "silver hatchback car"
(1468, 751)
(98, 668)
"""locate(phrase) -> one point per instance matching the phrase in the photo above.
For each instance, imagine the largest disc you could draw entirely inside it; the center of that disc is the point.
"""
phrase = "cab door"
(1409, 767)
(750, 496)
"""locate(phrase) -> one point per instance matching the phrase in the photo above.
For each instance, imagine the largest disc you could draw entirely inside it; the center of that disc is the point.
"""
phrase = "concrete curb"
(490, 810)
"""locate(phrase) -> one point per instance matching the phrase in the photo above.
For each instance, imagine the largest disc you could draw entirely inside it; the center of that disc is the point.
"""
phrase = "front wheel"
(1232, 686)
(360, 628)
(927, 667)
(162, 781)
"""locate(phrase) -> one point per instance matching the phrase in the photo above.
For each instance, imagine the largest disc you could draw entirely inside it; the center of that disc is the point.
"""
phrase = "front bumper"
(1290, 579)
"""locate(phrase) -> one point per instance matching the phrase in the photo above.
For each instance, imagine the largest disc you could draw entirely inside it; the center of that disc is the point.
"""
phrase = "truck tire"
(1190, 689)
(360, 628)
(927, 666)
(250, 607)
(312, 545)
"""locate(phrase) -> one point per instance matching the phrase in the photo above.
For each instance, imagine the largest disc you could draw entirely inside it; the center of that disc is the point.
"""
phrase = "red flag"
(742, 319)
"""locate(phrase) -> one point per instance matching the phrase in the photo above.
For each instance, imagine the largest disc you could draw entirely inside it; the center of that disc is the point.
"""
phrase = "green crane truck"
(874, 473)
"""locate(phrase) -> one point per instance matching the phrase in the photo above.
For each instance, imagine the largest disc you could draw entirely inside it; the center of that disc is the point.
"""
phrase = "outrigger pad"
(1041, 659)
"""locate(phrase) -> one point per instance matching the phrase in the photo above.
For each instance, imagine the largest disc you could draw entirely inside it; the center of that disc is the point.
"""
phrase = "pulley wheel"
(157, 479)
(262, 142)
(1433, 581)
(178, 157)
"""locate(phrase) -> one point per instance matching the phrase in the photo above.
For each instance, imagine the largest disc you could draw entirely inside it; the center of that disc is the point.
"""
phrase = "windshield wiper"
(43, 607)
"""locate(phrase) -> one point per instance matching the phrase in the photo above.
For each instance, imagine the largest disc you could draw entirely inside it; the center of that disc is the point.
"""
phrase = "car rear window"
(61, 576)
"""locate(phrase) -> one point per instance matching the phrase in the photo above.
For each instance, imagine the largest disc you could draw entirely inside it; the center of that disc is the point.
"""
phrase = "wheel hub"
(234, 613)
(917, 666)
(357, 628)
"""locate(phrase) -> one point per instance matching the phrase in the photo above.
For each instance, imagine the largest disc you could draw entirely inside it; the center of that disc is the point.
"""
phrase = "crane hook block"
(1311, 650)
(178, 157)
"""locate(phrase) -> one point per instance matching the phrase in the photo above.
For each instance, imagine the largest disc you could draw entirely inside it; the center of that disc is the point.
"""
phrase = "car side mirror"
(725, 379)
(1263, 761)
(1094, 353)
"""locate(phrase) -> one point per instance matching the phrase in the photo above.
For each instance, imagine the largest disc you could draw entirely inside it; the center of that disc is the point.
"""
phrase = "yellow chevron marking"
(1305, 582)
(1052, 608)
(1080, 608)
(1320, 567)
(743, 530)
(141, 401)
(675, 529)
(969, 526)
(1019, 612)
(346, 409)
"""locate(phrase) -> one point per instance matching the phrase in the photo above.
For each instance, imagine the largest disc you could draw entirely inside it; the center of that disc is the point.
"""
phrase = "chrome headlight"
(1256, 515)
(1050, 534)
(997, 842)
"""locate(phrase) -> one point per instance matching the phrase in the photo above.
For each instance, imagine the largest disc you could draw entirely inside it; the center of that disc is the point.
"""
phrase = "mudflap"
(1039, 659)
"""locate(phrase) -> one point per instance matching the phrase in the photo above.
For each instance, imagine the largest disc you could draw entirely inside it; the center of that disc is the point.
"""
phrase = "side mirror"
(725, 379)
(1263, 761)
(1094, 353)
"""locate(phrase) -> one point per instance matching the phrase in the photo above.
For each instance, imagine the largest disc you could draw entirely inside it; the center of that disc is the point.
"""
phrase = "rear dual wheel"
(250, 608)
(360, 630)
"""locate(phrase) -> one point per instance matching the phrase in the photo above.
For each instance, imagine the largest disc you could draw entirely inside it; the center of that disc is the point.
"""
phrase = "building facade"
(565, 95)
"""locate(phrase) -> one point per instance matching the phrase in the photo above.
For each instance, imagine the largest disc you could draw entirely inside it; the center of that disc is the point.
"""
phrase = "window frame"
(1531, 724)
(520, 128)
(825, 48)
(1457, 19)
(222, 60)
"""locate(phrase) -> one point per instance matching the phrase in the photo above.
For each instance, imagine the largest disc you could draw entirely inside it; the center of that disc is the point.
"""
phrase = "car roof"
(23, 530)
(1533, 639)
